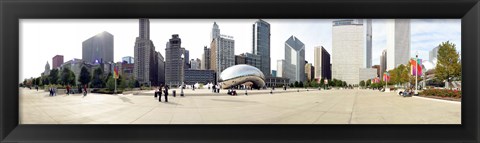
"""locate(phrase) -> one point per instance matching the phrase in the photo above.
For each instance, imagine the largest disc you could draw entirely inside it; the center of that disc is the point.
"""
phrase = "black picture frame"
(13, 10)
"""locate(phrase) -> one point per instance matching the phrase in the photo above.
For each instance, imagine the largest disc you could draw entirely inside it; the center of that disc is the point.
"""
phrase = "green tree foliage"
(85, 76)
(300, 84)
(296, 84)
(111, 84)
(53, 76)
(362, 83)
(399, 75)
(97, 79)
(67, 77)
(448, 62)
(368, 82)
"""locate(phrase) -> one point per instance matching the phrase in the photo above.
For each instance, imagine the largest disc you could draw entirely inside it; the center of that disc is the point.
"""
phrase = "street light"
(182, 76)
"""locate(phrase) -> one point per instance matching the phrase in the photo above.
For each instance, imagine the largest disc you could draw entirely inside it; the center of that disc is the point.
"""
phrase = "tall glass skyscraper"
(294, 60)
(261, 45)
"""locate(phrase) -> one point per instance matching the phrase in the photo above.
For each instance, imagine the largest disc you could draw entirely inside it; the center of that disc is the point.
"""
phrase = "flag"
(386, 76)
(416, 67)
(115, 72)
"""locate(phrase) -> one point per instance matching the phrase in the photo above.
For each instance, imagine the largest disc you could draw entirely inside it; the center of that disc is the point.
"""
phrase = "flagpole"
(416, 73)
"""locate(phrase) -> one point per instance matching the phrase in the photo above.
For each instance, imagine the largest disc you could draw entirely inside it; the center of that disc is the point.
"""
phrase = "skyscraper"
(322, 63)
(369, 43)
(281, 67)
(57, 61)
(433, 54)
(206, 58)
(308, 71)
(174, 64)
(295, 60)
(186, 55)
(98, 49)
(398, 42)
(383, 63)
(46, 72)
(261, 45)
(145, 57)
(348, 50)
(222, 53)
(160, 69)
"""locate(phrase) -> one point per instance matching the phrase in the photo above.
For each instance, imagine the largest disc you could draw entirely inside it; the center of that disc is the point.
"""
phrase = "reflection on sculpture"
(239, 74)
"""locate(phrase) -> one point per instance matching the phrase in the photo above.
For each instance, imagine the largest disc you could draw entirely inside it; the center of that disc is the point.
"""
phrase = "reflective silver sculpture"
(239, 74)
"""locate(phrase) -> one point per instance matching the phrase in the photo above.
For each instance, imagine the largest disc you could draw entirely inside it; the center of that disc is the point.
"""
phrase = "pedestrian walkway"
(351, 106)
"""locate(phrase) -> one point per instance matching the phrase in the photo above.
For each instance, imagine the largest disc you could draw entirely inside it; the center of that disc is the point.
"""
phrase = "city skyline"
(426, 35)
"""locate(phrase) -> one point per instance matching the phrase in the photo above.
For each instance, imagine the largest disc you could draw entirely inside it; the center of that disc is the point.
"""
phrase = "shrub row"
(442, 93)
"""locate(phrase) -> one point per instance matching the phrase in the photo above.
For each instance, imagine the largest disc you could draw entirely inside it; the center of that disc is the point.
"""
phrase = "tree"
(137, 84)
(300, 84)
(85, 76)
(344, 83)
(111, 84)
(97, 79)
(53, 76)
(362, 83)
(296, 84)
(67, 77)
(368, 82)
(45, 80)
(448, 63)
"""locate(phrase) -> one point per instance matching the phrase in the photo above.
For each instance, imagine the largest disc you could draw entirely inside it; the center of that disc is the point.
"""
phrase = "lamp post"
(182, 74)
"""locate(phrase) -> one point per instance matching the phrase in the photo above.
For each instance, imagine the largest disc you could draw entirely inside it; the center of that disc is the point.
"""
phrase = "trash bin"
(173, 92)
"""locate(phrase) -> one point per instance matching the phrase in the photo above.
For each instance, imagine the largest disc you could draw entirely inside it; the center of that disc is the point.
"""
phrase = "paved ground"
(351, 106)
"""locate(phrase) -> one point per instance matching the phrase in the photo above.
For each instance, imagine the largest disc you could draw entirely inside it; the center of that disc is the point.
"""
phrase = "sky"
(42, 39)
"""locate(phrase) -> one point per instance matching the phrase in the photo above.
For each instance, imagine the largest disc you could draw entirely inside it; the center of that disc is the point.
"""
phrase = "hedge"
(442, 93)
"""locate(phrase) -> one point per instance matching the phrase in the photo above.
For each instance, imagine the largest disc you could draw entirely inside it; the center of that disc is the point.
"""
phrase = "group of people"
(232, 92)
(158, 93)
(53, 90)
(216, 88)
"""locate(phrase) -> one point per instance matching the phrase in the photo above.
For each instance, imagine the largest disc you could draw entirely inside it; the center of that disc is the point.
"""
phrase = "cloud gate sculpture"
(240, 74)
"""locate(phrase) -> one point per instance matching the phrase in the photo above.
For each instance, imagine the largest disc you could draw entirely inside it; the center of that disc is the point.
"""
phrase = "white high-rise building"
(398, 42)
(280, 68)
(432, 56)
(348, 50)
(222, 51)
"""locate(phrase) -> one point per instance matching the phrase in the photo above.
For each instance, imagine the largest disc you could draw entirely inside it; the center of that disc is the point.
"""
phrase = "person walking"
(51, 91)
(166, 93)
(160, 93)
(54, 91)
(84, 90)
(68, 89)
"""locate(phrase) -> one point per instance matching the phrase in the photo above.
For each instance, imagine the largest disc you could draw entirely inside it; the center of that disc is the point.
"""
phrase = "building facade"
(222, 53)
(377, 67)
(348, 51)
(280, 68)
(193, 76)
(57, 61)
(398, 42)
(322, 64)
(274, 73)
(369, 43)
(294, 60)
(145, 57)
(309, 72)
(433, 54)
(46, 72)
(261, 45)
(98, 48)
(128, 59)
(160, 69)
(174, 64)
(206, 58)
(383, 63)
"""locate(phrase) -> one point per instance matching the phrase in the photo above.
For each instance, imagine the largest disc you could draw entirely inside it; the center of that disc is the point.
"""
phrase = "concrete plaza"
(348, 106)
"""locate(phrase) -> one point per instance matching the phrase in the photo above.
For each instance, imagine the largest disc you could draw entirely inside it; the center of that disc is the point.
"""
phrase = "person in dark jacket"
(166, 93)
(160, 93)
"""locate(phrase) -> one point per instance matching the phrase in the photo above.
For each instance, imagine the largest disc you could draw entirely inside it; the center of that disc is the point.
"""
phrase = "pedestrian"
(36, 87)
(84, 90)
(213, 89)
(68, 89)
(160, 93)
(54, 91)
(166, 93)
(155, 93)
(51, 91)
